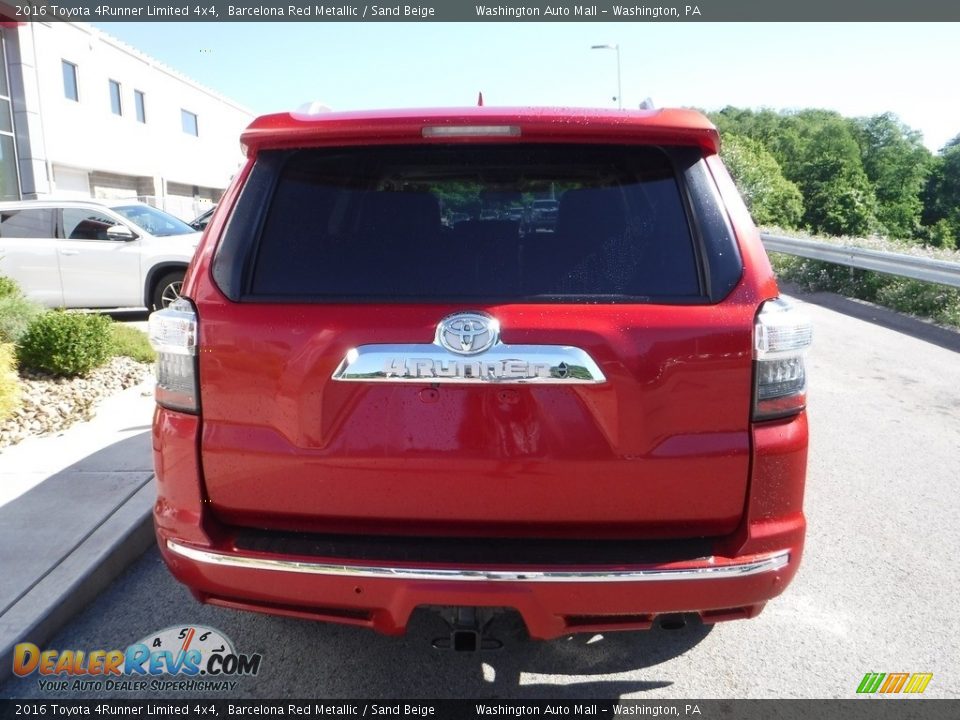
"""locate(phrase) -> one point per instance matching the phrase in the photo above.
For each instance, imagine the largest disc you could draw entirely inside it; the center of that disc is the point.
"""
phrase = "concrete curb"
(74, 513)
(87, 570)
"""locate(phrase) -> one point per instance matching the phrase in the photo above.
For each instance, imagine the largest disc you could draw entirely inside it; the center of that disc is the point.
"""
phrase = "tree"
(823, 159)
(941, 197)
(772, 199)
(818, 153)
(897, 164)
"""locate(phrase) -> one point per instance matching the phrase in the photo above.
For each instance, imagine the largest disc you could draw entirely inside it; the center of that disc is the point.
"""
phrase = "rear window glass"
(474, 221)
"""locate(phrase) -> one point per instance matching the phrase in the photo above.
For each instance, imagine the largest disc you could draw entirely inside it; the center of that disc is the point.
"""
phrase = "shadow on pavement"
(877, 315)
(304, 659)
(573, 667)
(128, 315)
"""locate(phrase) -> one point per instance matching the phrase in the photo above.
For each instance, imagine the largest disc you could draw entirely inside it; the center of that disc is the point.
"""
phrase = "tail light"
(173, 334)
(782, 335)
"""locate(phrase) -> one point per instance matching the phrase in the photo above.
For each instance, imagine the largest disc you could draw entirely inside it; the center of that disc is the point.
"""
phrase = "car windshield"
(156, 222)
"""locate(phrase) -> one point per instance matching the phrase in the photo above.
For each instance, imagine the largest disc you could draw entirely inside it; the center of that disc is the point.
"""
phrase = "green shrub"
(925, 299)
(16, 313)
(9, 287)
(944, 234)
(65, 343)
(9, 382)
(129, 342)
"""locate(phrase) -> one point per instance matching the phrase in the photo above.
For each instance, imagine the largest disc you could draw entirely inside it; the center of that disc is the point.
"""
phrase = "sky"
(910, 69)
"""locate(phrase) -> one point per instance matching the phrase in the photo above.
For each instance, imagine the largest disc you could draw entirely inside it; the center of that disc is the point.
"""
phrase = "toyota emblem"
(468, 333)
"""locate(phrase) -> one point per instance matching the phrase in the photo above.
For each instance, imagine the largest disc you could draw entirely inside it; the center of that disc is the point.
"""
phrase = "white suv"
(88, 254)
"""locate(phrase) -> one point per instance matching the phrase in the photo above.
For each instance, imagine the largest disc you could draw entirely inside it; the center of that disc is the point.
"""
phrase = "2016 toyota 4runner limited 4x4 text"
(375, 396)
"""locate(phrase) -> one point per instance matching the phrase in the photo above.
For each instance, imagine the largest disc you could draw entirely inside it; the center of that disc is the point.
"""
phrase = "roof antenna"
(480, 99)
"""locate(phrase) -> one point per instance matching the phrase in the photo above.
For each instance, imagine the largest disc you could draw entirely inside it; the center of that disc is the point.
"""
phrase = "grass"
(130, 342)
(9, 384)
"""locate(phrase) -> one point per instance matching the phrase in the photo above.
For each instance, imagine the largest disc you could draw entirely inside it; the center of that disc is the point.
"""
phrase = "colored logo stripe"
(870, 683)
(894, 683)
(918, 682)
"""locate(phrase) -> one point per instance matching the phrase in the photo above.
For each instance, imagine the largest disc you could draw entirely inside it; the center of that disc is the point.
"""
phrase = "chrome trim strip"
(540, 364)
(764, 564)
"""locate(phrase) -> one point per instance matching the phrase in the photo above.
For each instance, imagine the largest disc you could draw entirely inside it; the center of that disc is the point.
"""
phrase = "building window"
(9, 177)
(189, 121)
(141, 106)
(70, 81)
(4, 90)
(116, 105)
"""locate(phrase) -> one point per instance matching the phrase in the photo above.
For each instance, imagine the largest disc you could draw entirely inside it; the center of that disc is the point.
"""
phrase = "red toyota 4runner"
(381, 391)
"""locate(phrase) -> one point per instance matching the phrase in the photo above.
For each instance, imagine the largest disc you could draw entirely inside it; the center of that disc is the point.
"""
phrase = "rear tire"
(166, 289)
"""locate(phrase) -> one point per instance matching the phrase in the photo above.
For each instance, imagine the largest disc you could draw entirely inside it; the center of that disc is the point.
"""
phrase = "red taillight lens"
(173, 334)
(782, 335)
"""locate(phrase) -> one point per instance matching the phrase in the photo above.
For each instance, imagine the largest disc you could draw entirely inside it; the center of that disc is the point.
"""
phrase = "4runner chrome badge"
(467, 349)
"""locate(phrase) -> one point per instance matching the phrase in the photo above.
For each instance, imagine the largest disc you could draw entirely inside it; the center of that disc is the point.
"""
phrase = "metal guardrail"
(941, 272)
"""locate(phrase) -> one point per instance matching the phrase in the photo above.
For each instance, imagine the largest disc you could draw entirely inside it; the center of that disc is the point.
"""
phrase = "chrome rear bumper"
(707, 569)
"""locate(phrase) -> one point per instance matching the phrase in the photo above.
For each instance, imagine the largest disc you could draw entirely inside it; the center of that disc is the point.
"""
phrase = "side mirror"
(121, 232)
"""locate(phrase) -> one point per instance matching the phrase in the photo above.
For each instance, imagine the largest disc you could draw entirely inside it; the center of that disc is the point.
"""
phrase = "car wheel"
(167, 289)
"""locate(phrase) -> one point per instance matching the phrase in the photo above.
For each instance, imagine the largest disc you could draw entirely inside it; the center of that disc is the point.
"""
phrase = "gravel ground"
(49, 404)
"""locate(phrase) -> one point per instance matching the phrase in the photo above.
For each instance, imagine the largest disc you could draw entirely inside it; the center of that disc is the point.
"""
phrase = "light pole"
(613, 46)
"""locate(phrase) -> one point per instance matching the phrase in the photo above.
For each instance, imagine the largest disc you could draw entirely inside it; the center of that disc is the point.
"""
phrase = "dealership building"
(84, 115)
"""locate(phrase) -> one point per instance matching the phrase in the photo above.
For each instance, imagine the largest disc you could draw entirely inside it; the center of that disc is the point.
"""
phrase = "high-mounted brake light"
(471, 131)
(782, 335)
(173, 334)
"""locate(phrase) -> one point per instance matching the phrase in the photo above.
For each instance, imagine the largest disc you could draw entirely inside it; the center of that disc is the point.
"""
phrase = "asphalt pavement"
(877, 590)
